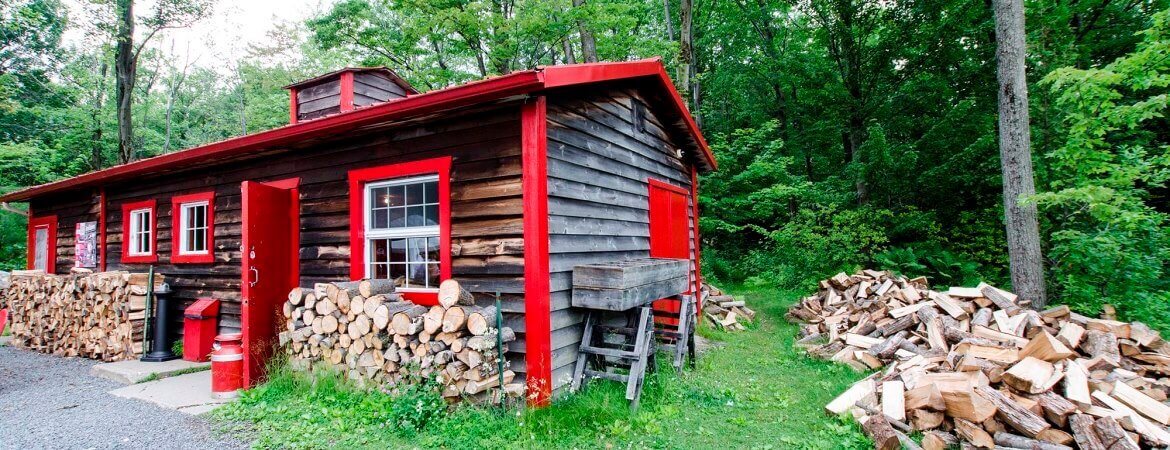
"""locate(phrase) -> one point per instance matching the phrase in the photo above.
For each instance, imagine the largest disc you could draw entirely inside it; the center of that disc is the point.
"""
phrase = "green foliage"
(177, 348)
(944, 268)
(1108, 227)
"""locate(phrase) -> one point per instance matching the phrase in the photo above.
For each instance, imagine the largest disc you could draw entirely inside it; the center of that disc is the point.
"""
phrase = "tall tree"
(588, 43)
(690, 78)
(165, 15)
(1015, 150)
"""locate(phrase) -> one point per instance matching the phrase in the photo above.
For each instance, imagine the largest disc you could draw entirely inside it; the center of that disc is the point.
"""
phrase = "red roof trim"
(516, 83)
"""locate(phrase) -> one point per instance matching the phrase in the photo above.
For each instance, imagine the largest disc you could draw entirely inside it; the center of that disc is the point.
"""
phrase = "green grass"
(755, 390)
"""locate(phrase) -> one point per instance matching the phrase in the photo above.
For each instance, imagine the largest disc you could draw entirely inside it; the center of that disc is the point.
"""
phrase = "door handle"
(255, 276)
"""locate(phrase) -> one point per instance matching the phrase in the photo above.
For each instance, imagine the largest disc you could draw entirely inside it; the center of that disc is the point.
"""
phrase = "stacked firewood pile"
(91, 315)
(366, 330)
(974, 365)
(726, 312)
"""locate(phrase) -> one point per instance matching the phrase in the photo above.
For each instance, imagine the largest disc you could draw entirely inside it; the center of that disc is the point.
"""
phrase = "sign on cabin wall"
(86, 247)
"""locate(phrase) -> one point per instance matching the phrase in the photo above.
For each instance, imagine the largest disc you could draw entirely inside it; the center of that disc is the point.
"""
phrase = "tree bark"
(95, 157)
(1015, 142)
(588, 44)
(669, 19)
(689, 80)
(125, 68)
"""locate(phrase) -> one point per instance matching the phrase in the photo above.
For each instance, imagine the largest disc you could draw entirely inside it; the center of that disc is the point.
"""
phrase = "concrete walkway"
(53, 402)
(189, 393)
(130, 372)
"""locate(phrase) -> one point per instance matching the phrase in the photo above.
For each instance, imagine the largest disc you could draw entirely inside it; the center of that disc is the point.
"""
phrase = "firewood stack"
(366, 330)
(974, 365)
(91, 315)
(726, 312)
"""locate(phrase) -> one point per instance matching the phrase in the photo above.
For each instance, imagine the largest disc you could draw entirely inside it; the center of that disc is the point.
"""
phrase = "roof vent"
(344, 90)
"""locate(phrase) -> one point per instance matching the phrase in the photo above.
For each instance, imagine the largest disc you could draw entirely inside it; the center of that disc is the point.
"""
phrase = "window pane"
(201, 216)
(431, 192)
(398, 250)
(432, 214)
(417, 275)
(396, 218)
(396, 274)
(414, 216)
(378, 252)
(381, 271)
(416, 251)
(432, 275)
(432, 249)
(381, 218)
(414, 194)
(396, 195)
(198, 239)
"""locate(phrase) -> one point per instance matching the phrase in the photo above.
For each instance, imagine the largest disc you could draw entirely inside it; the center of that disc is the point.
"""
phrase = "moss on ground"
(753, 390)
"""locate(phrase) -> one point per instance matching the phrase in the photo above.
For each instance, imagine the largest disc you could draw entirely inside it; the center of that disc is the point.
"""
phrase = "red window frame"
(358, 179)
(127, 208)
(50, 223)
(177, 202)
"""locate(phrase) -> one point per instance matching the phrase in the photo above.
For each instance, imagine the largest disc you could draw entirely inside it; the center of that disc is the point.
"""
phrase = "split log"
(480, 320)
(879, 430)
(451, 294)
(370, 288)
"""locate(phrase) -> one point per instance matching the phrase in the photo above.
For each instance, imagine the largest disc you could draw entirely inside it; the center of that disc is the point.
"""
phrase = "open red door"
(669, 235)
(270, 224)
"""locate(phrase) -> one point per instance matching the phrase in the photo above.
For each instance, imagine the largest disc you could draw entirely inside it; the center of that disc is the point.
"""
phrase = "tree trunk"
(1015, 142)
(124, 69)
(669, 19)
(690, 80)
(588, 44)
(95, 156)
(568, 46)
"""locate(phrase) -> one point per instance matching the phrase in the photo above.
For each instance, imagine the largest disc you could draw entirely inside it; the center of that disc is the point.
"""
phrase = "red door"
(669, 234)
(270, 216)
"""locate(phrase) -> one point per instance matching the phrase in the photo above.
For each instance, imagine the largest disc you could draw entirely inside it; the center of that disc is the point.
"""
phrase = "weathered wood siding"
(374, 87)
(599, 164)
(486, 209)
(319, 100)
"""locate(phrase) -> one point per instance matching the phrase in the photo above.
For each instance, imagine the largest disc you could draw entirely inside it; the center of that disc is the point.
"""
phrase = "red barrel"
(227, 365)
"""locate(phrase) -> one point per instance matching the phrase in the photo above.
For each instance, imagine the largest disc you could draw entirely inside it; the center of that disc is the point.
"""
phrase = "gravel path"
(52, 402)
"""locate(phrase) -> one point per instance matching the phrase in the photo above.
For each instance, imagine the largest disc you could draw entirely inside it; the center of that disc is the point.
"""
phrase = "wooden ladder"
(629, 348)
(680, 341)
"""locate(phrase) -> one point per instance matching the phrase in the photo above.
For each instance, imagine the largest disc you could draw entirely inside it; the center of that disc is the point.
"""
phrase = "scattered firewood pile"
(974, 365)
(726, 312)
(92, 315)
(367, 331)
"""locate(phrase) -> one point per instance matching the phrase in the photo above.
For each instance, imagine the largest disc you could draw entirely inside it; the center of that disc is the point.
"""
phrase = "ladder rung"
(626, 331)
(607, 375)
(608, 352)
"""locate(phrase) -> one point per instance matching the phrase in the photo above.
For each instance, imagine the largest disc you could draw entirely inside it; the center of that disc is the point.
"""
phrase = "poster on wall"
(86, 247)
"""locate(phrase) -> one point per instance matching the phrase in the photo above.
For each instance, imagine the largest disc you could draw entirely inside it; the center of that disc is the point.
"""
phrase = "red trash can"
(199, 328)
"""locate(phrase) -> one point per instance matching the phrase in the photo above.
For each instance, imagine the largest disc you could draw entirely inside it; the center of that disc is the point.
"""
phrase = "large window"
(193, 226)
(138, 232)
(402, 231)
(400, 227)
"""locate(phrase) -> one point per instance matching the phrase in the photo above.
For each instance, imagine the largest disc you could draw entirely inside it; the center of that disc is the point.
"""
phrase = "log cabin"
(504, 184)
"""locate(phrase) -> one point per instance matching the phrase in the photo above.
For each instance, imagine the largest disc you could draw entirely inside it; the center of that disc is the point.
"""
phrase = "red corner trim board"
(127, 258)
(357, 216)
(50, 224)
(534, 187)
(177, 255)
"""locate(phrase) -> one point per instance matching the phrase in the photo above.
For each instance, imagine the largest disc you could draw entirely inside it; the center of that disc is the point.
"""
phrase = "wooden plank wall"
(319, 100)
(598, 166)
(372, 87)
(486, 210)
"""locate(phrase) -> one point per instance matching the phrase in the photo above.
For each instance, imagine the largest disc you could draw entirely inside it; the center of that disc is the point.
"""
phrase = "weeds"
(755, 390)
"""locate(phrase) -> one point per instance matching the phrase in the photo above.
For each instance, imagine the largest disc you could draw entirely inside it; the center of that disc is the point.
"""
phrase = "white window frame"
(184, 210)
(372, 234)
(136, 232)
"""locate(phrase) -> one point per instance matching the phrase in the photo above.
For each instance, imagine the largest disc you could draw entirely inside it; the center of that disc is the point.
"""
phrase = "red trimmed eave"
(516, 83)
(575, 74)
